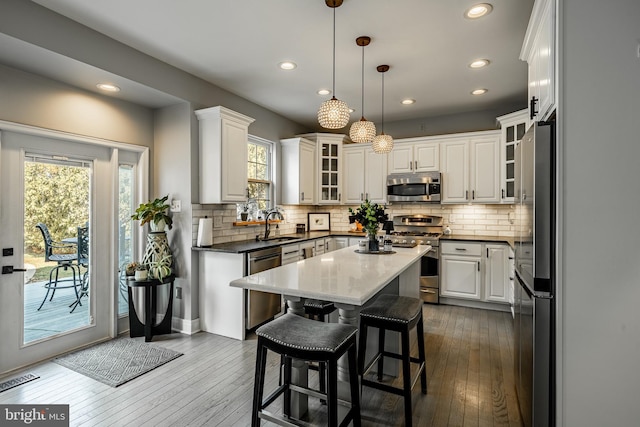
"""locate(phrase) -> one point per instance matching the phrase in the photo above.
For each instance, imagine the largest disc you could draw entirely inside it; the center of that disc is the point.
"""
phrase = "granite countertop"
(473, 238)
(245, 246)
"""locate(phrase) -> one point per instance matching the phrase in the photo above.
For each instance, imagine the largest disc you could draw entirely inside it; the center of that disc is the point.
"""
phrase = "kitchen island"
(345, 277)
(348, 279)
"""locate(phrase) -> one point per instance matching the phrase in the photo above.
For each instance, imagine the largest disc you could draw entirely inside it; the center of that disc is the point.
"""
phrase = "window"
(260, 167)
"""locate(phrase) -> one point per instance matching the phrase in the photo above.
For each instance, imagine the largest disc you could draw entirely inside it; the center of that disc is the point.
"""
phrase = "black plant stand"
(149, 328)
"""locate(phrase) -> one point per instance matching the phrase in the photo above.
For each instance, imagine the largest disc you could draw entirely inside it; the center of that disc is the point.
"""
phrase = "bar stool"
(319, 310)
(296, 337)
(400, 314)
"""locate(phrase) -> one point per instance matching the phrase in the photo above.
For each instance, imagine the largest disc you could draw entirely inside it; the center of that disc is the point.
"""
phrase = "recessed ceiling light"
(324, 92)
(287, 65)
(408, 101)
(108, 87)
(479, 92)
(478, 10)
(479, 63)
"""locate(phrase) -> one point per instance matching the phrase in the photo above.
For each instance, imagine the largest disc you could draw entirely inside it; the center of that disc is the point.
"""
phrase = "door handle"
(503, 193)
(473, 194)
(9, 269)
(478, 265)
(466, 195)
(361, 196)
(416, 164)
(532, 107)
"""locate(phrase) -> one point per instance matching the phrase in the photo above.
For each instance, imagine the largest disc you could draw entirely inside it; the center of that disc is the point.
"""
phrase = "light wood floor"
(469, 371)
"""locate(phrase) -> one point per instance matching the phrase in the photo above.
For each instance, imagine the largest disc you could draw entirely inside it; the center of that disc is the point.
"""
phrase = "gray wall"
(600, 258)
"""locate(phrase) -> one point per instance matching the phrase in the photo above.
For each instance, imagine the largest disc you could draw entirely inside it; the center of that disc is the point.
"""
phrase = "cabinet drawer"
(461, 248)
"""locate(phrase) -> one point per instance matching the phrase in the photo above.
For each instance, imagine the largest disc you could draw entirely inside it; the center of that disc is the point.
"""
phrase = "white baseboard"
(476, 304)
(185, 326)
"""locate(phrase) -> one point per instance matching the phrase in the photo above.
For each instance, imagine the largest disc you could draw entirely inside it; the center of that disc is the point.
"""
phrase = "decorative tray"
(375, 252)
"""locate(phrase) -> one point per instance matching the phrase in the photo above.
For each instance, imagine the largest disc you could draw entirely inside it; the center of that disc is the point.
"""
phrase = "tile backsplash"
(478, 220)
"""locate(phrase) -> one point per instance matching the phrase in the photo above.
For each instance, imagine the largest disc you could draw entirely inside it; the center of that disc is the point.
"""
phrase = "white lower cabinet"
(290, 254)
(475, 271)
(496, 273)
(460, 270)
(338, 243)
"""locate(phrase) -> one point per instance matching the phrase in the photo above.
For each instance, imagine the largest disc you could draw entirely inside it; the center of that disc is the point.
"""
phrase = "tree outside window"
(259, 177)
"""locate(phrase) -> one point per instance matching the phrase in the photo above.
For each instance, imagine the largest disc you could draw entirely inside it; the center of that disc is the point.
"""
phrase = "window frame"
(271, 167)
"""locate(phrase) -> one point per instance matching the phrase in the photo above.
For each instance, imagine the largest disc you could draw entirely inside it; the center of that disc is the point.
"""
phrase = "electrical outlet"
(176, 206)
(178, 292)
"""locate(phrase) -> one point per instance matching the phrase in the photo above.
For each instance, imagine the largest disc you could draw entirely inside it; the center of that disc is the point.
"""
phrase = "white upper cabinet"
(298, 171)
(514, 126)
(470, 167)
(223, 155)
(539, 51)
(328, 166)
(414, 155)
(364, 174)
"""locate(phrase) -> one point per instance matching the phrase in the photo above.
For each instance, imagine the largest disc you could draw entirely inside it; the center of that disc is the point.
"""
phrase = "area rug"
(117, 361)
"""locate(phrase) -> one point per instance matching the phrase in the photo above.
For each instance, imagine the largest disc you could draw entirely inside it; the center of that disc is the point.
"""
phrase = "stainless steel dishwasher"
(262, 306)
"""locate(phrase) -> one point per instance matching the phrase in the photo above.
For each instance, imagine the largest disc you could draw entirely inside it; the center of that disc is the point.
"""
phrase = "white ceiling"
(237, 45)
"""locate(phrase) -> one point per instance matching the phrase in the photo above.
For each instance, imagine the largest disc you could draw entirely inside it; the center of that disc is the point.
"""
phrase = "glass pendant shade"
(362, 131)
(333, 114)
(382, 144)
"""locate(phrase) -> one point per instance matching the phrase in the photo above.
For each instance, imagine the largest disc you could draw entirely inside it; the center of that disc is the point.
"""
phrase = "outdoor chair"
(64, 261)
(82, 261)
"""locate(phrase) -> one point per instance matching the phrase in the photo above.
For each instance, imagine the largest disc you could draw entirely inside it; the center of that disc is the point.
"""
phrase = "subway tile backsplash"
(478, 220)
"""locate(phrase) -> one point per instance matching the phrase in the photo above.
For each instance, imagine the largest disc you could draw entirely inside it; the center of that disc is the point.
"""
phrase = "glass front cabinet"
(514, 126)
(329, 154)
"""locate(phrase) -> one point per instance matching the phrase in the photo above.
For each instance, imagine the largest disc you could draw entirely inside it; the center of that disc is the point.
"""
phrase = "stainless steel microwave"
(414, 187)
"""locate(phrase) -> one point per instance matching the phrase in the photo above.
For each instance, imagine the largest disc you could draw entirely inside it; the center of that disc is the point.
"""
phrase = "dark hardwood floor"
(469, 371)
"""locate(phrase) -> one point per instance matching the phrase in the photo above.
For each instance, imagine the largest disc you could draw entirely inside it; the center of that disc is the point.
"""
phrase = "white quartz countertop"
(341, 276)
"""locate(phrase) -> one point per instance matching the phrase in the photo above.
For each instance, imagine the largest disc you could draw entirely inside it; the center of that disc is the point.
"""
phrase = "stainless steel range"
(412, 230)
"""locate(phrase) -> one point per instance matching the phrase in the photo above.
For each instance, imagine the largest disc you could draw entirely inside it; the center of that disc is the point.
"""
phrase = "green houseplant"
(155, 214)
(370, 216)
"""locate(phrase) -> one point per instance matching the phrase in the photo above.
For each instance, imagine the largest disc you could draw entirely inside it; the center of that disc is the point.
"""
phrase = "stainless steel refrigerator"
(534, 323)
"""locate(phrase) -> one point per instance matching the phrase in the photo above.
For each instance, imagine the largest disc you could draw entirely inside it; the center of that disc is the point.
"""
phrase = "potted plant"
(154, 213)
(244, 211)
(370, 216)
(141, 272)
(130, 269)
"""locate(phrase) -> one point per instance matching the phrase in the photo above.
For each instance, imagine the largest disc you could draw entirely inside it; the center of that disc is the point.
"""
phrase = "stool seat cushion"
(320, 305)
(297, 332)
(393, 308)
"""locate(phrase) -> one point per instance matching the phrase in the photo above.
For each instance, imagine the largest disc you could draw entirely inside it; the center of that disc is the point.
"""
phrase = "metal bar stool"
(400, 314)
(296, 337)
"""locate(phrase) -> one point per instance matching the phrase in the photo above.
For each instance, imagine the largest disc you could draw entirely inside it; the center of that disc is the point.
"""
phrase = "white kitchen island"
(348, 279)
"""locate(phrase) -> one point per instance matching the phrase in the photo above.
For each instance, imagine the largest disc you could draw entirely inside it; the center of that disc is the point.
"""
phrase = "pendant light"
(382, 143)
(363, 130)
(333, 114)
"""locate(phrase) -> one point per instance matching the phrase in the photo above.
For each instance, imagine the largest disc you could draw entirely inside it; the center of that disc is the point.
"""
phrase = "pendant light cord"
(362, 106)
(334, 53)
(382, 130)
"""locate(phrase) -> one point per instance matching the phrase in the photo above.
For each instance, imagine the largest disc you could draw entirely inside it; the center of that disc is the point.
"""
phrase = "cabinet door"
(485, 170)
(338, 243)
(545, 64)
(375, 176)
(513, 129)
(460, 277)
(329, 153)
(307, 181)
(496, 273)
(455, 172)
(354, 174)
(401, 159)
(427, 157)
(234, 162)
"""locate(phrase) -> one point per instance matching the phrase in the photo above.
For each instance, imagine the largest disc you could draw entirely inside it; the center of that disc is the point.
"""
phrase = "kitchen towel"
(205, 232)
(308, 253)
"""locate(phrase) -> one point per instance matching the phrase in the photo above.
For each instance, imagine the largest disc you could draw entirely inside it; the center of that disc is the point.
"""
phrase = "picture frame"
(319, 221)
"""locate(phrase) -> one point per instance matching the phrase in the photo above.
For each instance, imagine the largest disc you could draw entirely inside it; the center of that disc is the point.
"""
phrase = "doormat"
(117, 361)
(15, 382)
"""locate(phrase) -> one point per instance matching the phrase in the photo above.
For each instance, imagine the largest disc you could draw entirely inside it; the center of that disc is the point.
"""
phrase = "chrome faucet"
(275, 212)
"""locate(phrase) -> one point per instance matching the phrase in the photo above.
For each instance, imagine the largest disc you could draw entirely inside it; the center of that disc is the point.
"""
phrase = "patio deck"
(54, 317)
